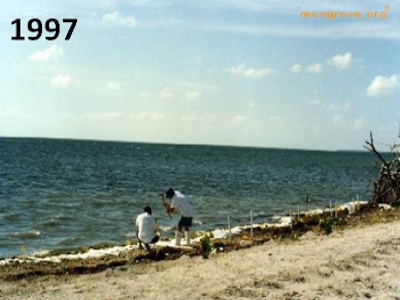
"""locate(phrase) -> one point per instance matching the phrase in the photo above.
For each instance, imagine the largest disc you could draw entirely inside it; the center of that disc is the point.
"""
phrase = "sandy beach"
(362, 262)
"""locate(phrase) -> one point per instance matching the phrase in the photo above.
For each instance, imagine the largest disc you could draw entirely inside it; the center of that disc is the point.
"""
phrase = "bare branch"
(370, 147)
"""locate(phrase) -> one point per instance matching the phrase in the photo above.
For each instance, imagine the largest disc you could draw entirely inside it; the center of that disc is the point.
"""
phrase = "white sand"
(358, 263)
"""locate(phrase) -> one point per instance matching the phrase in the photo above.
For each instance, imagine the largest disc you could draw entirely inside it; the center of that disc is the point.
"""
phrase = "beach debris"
(245, 243)
(385, 206)
(308, 220)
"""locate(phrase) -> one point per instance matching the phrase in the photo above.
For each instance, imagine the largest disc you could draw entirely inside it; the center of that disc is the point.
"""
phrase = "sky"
(219, 72)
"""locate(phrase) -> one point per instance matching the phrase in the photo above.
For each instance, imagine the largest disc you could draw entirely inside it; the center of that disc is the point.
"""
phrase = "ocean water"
(63, 194)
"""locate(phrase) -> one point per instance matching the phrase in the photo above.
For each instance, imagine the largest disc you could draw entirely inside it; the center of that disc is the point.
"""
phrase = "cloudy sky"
(224, 72)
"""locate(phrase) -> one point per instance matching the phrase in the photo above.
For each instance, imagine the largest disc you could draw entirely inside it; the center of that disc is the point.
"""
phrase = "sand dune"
(358, 263)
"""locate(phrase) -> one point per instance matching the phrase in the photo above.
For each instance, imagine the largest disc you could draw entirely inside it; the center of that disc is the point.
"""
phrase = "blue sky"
(239, 72)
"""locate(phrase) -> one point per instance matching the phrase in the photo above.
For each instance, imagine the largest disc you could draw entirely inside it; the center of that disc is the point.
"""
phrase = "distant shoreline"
(188, 144)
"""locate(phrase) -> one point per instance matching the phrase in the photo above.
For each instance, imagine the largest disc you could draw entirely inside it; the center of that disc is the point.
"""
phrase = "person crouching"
(146, 229)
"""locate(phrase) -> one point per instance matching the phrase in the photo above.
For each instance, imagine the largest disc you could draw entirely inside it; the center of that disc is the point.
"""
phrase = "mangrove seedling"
(205, 243)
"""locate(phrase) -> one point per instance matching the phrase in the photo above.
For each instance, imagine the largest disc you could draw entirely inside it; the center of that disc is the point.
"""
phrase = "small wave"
(197, 222)
(31, 234)
(166, 228)
(40, 253)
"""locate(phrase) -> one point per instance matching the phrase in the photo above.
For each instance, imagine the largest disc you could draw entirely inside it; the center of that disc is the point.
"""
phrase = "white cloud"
(54, 52)
(239, 119)
(117, 19)
(383, 86)
(185, 93)
(166, 93)
(296, 68)
(341, 61)
(192, 95)
(241, 70)
(113, 86)
(60, 81)
(151, 116)
(359, 123)
(316, 68)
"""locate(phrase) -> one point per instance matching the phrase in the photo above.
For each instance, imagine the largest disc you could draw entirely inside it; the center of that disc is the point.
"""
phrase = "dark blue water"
(61, 194)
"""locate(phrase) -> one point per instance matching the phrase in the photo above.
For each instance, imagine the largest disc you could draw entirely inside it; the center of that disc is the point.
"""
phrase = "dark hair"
(147, 209)
(170, 193)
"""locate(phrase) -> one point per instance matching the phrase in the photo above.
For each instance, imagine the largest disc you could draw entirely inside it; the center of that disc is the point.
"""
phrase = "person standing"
(181, 203)
(146, 228)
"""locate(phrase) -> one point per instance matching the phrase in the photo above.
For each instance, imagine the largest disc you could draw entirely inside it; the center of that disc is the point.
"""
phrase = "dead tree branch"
(387, 187)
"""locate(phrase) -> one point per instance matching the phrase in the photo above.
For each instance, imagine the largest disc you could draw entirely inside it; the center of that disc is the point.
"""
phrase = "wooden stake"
(229, 228)
(298, 212)
(251, 224)
(358, 205)
(336, 209)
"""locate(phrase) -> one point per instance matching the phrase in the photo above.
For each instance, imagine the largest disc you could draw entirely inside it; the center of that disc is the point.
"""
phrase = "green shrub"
(205, 243)
(327, 225)
(294, 235)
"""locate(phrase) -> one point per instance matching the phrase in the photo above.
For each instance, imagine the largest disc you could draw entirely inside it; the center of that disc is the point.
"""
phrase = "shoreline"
(104, 249)
(357, 260)
(346, 215)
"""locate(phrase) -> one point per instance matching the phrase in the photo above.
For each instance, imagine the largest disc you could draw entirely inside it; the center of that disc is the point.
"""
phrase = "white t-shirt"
(146, 225)
(182, 203)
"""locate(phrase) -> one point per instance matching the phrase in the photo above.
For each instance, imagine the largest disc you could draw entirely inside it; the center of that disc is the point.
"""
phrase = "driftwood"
(387, 187)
